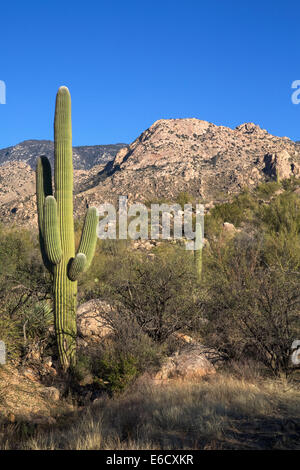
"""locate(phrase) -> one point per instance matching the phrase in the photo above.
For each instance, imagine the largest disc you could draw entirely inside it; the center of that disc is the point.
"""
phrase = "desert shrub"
(212, 226)
(266, 190)
(228, 212)
(114, 373)
(24, 284)
(38, 319)
(37, 324)
(82, 368)
(11, 334)
(184, 198)
(128, 339)
(126, 353)
(235, 212)
(289, 184)
(253, 308)
(282, 249)
(107, 254)
(282, 214)
(158, 292)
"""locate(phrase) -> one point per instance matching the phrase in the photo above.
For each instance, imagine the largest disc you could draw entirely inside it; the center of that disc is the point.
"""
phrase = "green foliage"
(282, 214)
(82, 368)
(118, 359)
(290, 184)
(159, 292)
(266, 190)
(114, 374)
(103, 267)
(184, 198)
(37, 320)
(16, 250)
(253, 307)
(282, 249)
(11, 334)
(236, 211)
(23, 285)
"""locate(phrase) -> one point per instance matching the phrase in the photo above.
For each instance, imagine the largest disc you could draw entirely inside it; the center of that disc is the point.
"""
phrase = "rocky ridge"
(84, 157)
(210, 162)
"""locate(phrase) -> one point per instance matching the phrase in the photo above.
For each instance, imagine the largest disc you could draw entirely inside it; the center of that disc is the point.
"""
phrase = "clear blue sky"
(129, 63)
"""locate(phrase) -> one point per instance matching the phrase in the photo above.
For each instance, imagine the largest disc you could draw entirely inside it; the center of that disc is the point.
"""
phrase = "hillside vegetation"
(245, 307)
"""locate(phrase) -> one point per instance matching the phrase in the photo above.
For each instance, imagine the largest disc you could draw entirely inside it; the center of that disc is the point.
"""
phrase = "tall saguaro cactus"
(56, 229)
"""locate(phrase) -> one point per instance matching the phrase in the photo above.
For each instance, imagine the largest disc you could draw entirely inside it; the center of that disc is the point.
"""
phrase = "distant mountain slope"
(84, 157)
(210, 162)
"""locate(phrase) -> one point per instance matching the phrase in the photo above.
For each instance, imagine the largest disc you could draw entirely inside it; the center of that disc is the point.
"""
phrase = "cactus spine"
(56, 230)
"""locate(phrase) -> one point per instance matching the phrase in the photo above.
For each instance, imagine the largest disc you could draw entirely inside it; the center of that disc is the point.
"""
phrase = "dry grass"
(220, 413)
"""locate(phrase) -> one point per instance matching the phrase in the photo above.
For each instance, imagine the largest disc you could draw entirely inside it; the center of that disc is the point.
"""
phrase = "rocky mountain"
(84, 158)
(210, 162)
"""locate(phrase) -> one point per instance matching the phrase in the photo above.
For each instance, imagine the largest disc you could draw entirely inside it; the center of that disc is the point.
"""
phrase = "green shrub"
(266, 190)
(158, 293)
(11, 334)
(82, 368)
(113, 373)
(237, 211)
(252, 308)
(290, 184)
(24, 284)
(282, 214)
(184, 198)
(37, 319)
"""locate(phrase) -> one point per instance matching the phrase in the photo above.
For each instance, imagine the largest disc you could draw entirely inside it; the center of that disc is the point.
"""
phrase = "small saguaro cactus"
(198, 251)
(56, 230)
(198, 262)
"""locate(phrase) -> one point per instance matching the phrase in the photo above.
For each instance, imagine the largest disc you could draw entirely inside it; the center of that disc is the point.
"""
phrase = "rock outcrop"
(281, 165)
(91, 322)
(210, 162)
(174, 155)
(25, 398)
(189, 364)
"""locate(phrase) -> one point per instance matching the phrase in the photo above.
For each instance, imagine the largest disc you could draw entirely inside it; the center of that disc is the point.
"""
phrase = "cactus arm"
(51, 231)
(88, 239)
(87, 245)
(43, 189)
(77, 266)
(43, 186)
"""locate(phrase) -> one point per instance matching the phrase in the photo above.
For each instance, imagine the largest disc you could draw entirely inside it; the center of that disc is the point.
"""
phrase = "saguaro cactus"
(198, 262)
(56, 229)
(198, 251)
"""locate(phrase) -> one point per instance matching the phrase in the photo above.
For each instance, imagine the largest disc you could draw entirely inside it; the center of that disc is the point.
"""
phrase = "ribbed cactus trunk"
(198, 263)
(198, 252)
(65, 289)
(56, 229)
